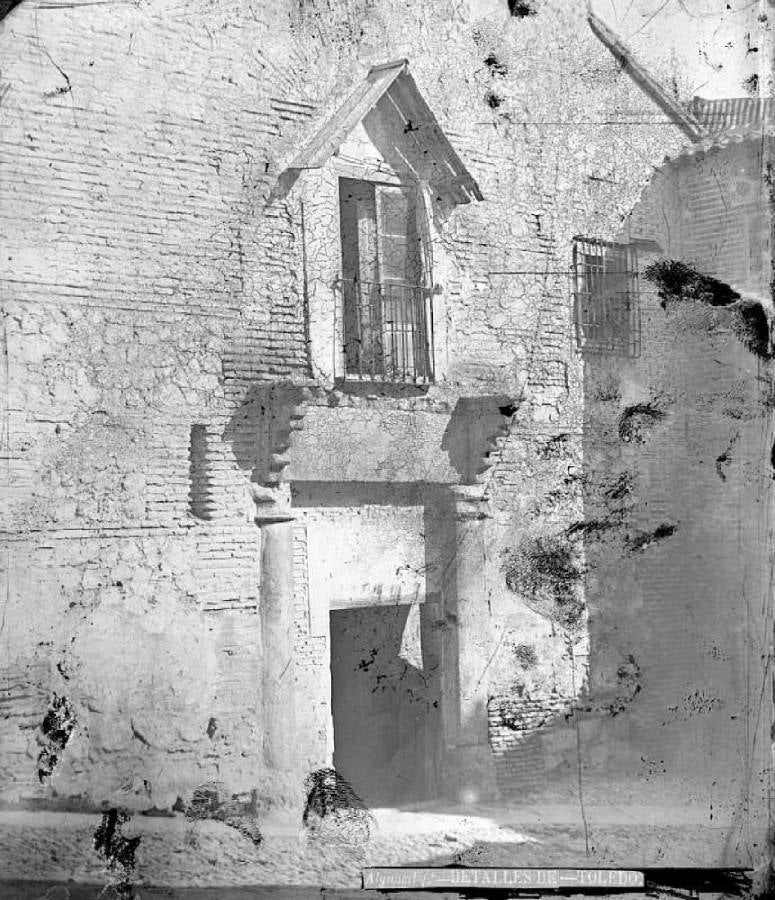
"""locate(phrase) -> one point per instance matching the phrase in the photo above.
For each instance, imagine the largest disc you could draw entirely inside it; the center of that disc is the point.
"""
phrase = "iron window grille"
(386, 304)
(387, 328)
(606, 308)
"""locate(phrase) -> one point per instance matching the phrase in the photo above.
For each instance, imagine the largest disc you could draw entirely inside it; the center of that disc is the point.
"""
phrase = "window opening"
(606, 297)
(387, 317)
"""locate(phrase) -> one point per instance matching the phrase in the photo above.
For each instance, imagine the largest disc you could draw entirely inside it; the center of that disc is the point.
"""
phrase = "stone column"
(276, 604)
(470, 765)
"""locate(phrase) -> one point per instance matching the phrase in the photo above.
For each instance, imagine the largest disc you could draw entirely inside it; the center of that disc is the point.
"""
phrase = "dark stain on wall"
(138, 735)
(725, 458)
(617, 697)
(495, 66)
(636, 420)
(521, 8)
(628, 681)
(492, 99)
(57, 728)
(652, 767)
(589, 528)
(526, 656)
(620, 488)
(677, 281)
(117, 849)
(751, 327)
(555, 447)
(644, 539)
(508, 409)
(547, 574)
(62, 668)
(696, 703)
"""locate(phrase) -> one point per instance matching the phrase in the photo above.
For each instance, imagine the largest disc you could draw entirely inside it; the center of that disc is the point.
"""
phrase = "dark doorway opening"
(383, 703)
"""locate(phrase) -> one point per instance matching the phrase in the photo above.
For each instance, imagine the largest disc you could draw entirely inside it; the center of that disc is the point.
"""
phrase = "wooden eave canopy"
(393, 83)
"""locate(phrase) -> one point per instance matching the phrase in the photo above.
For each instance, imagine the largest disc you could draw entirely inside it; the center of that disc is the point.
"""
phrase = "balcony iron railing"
(388, 331)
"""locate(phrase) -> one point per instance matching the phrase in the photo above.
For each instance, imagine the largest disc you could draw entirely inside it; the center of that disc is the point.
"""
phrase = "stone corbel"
(475, 435)
(261, 434)
(268, 419)
(283, 411)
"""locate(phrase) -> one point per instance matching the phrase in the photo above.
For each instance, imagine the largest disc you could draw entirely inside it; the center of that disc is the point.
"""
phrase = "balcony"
(388, 332)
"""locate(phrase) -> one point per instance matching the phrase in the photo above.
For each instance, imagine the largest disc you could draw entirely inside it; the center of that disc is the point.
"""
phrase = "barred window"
(606, 302)
(387, 321)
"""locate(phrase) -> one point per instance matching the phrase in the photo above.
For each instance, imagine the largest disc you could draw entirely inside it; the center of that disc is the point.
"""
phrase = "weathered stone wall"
(151, 279)
(677, 484)
(580, 180)
(725, 220)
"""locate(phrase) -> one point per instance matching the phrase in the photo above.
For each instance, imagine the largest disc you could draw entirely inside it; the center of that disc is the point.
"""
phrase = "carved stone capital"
(273, 503)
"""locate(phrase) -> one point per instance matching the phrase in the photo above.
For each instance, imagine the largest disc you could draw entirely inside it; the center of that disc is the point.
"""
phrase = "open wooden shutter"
(424, 217)
(360, 278)
(401, 279)
(386, 276)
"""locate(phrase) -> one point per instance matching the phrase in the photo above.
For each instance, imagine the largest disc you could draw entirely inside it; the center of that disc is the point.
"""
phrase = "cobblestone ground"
(172, 851)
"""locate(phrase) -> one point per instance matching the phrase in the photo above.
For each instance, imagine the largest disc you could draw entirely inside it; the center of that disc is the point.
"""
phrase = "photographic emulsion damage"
(388, 448)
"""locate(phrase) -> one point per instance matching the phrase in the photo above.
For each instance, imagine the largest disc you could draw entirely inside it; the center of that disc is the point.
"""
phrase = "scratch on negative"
(65, 90)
